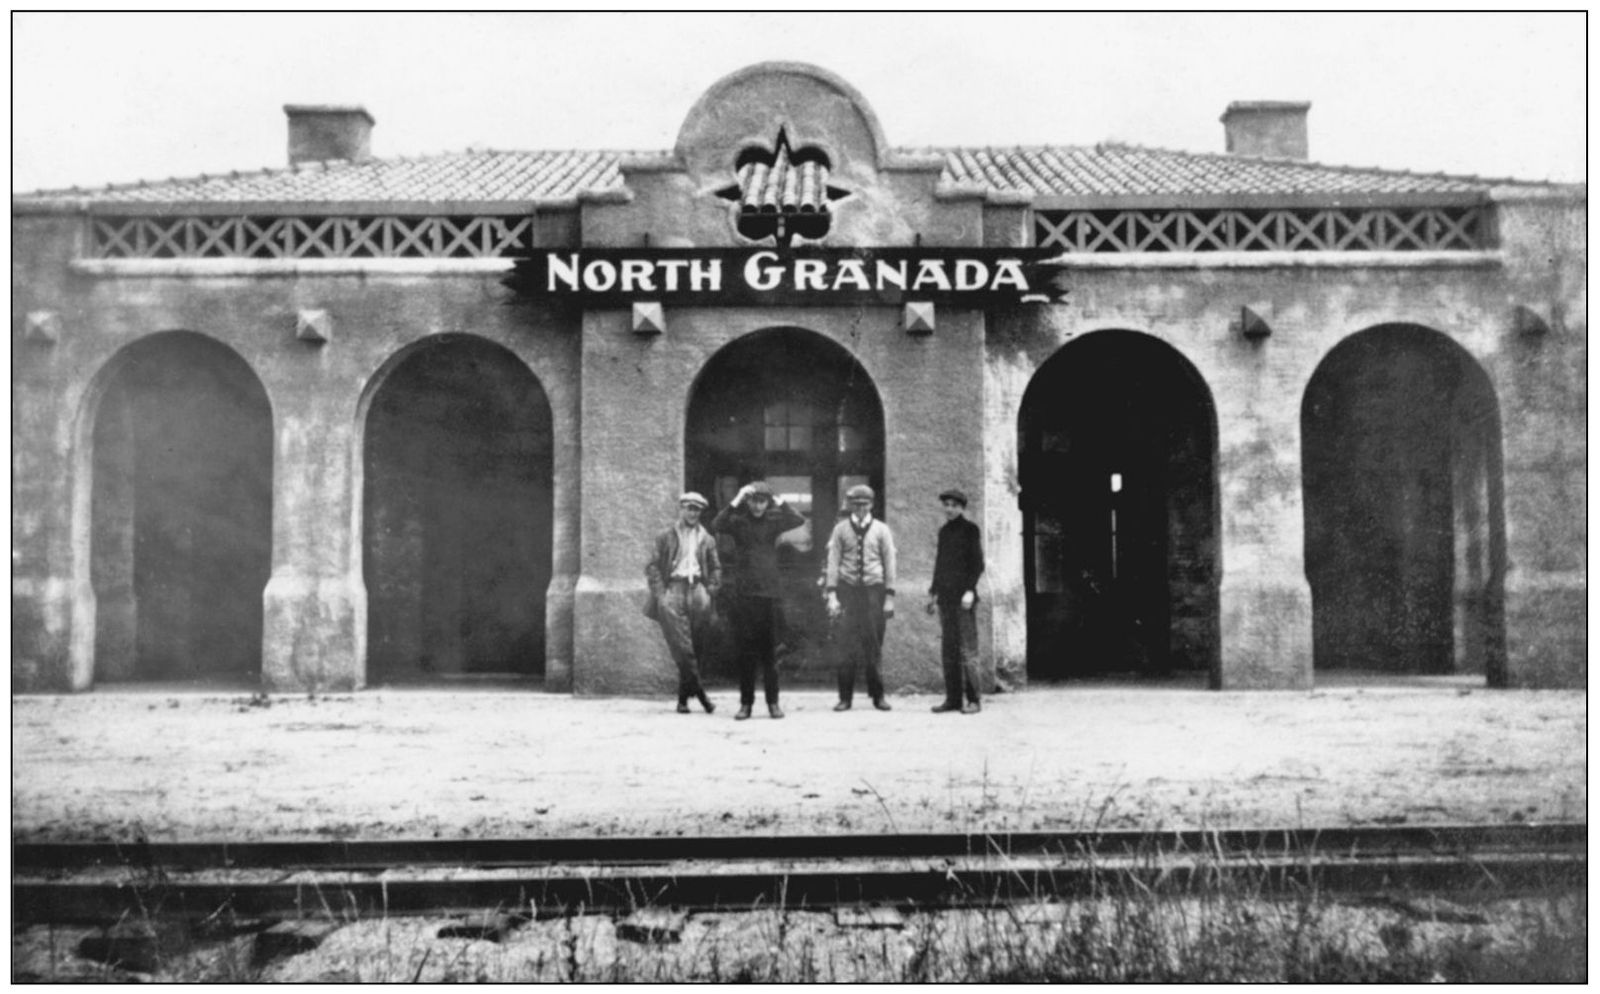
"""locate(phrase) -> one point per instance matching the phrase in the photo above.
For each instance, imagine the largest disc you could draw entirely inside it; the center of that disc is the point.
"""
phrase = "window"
(788, 427)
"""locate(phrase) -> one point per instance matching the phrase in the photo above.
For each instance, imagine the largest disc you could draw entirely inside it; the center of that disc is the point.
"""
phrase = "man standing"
(754, 520)
(860, 585)
(954, 594)
(683, 572)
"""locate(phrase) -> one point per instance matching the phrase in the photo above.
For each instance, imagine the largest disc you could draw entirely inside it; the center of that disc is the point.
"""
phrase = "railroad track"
(92, 883)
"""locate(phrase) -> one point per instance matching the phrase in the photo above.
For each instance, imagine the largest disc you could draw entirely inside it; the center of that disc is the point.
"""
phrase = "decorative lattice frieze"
(311, 237)
(1341, 229)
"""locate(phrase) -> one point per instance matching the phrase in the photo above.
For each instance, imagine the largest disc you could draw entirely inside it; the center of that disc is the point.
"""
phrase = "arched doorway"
(456, 529)
(180, 513)
(794, 408)
(1118, 443)
(1404, 507)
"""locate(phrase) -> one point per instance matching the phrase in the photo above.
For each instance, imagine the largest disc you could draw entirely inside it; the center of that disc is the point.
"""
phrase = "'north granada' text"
(764, 271)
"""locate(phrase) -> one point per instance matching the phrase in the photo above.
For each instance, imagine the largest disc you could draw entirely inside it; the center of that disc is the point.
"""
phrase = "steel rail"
(104, 882)
(361, 854)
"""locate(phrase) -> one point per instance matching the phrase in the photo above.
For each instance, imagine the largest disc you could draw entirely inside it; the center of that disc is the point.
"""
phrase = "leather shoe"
(946, 706)
(705, 702)
(774, 710)
(882, 705)
(744, 712)
(683, 707)
(842, 706)
(972, 708)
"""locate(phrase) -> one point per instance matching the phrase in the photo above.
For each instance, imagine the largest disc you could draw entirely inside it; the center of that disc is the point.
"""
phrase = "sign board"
(809, 276)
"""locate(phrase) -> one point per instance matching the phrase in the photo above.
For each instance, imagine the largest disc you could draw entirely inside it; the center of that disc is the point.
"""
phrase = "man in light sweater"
(860, 587)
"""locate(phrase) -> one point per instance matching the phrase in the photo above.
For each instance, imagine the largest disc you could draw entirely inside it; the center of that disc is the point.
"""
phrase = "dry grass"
(1218, 926)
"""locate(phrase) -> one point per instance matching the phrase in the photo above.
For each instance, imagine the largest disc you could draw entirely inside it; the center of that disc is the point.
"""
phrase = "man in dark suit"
(954, 595)
(754, 520)
(683, 571)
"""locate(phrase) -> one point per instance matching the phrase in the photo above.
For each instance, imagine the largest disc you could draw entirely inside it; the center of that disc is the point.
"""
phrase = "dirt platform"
(182, 765)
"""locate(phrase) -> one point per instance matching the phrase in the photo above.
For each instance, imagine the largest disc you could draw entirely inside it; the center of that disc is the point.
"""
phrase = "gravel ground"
(181, 765)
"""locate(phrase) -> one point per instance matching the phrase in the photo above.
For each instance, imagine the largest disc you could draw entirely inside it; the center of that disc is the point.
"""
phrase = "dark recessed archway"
(180, 513)
(1117, 443)
(456, 527)
(1404, 507)
(794, 408)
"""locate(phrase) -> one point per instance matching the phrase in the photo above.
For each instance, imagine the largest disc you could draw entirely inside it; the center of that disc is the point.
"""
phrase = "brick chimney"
(318, 132)
(1270, 128)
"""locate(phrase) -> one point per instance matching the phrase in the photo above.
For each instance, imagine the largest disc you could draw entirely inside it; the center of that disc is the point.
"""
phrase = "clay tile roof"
(1104, 170)
(452, 176)
(1109, 170)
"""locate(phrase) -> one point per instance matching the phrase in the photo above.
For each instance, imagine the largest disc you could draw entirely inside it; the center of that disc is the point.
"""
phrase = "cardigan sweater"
(862, 557)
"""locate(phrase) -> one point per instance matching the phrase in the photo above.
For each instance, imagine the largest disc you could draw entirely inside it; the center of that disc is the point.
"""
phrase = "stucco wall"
(1258, 387)
(315, 600)
(636, 395)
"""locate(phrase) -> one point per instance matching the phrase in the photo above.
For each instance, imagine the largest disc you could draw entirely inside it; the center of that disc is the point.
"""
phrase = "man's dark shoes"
(842, 706)
(774, 710)
(882, 705)
(946, 706)
(744, 712)
(683, 707)
(973, 707)
(705, 702)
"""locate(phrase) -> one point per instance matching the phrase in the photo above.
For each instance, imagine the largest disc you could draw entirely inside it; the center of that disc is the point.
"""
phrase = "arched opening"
(1404, 507)
(456, 527)
(796, 409)
(1118, 444)
(180, 513)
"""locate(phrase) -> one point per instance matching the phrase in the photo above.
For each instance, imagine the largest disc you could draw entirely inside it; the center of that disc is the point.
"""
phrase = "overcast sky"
(101, 98)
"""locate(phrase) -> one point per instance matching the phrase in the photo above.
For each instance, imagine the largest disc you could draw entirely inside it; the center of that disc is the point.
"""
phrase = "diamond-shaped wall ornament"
(782, 192)
(1528, 322)
(1252, 322)
(42, 327)
(648, 318)
(919, 317)
(315, 327)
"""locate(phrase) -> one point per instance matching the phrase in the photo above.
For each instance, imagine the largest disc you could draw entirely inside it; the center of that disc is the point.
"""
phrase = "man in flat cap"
(860, 587)
(754, 519)
(683, 571)
(954, 595)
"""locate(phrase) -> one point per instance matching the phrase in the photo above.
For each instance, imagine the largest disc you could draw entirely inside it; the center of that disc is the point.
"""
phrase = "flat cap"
(859, 492)
(953, 494)
(760, 488)
(693, 498)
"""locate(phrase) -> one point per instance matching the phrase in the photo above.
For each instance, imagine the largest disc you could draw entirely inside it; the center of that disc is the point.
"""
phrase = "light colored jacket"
(865, 560)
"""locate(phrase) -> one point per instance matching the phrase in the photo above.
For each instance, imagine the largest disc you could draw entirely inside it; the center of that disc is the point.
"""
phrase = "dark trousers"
(958, 632)
(684, 612)
(860, 639)
(753, 630)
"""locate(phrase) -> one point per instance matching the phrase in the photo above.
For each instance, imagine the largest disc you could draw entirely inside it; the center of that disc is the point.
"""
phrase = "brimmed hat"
(693, 498)
(760, 488)
(859, 492)
(953, 494)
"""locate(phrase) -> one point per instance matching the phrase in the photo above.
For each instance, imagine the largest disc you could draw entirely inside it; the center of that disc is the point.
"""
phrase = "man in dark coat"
(754, 520)
(684, 571)
(954, 595)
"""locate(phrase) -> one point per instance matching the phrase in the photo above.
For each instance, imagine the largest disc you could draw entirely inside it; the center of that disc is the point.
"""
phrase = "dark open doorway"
(181, 514)
(1118, 471)
(457, 516)
(1404, 507)
(796, 409)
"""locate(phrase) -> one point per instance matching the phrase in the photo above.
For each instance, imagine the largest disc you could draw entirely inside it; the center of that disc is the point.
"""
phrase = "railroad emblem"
(783, 192)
